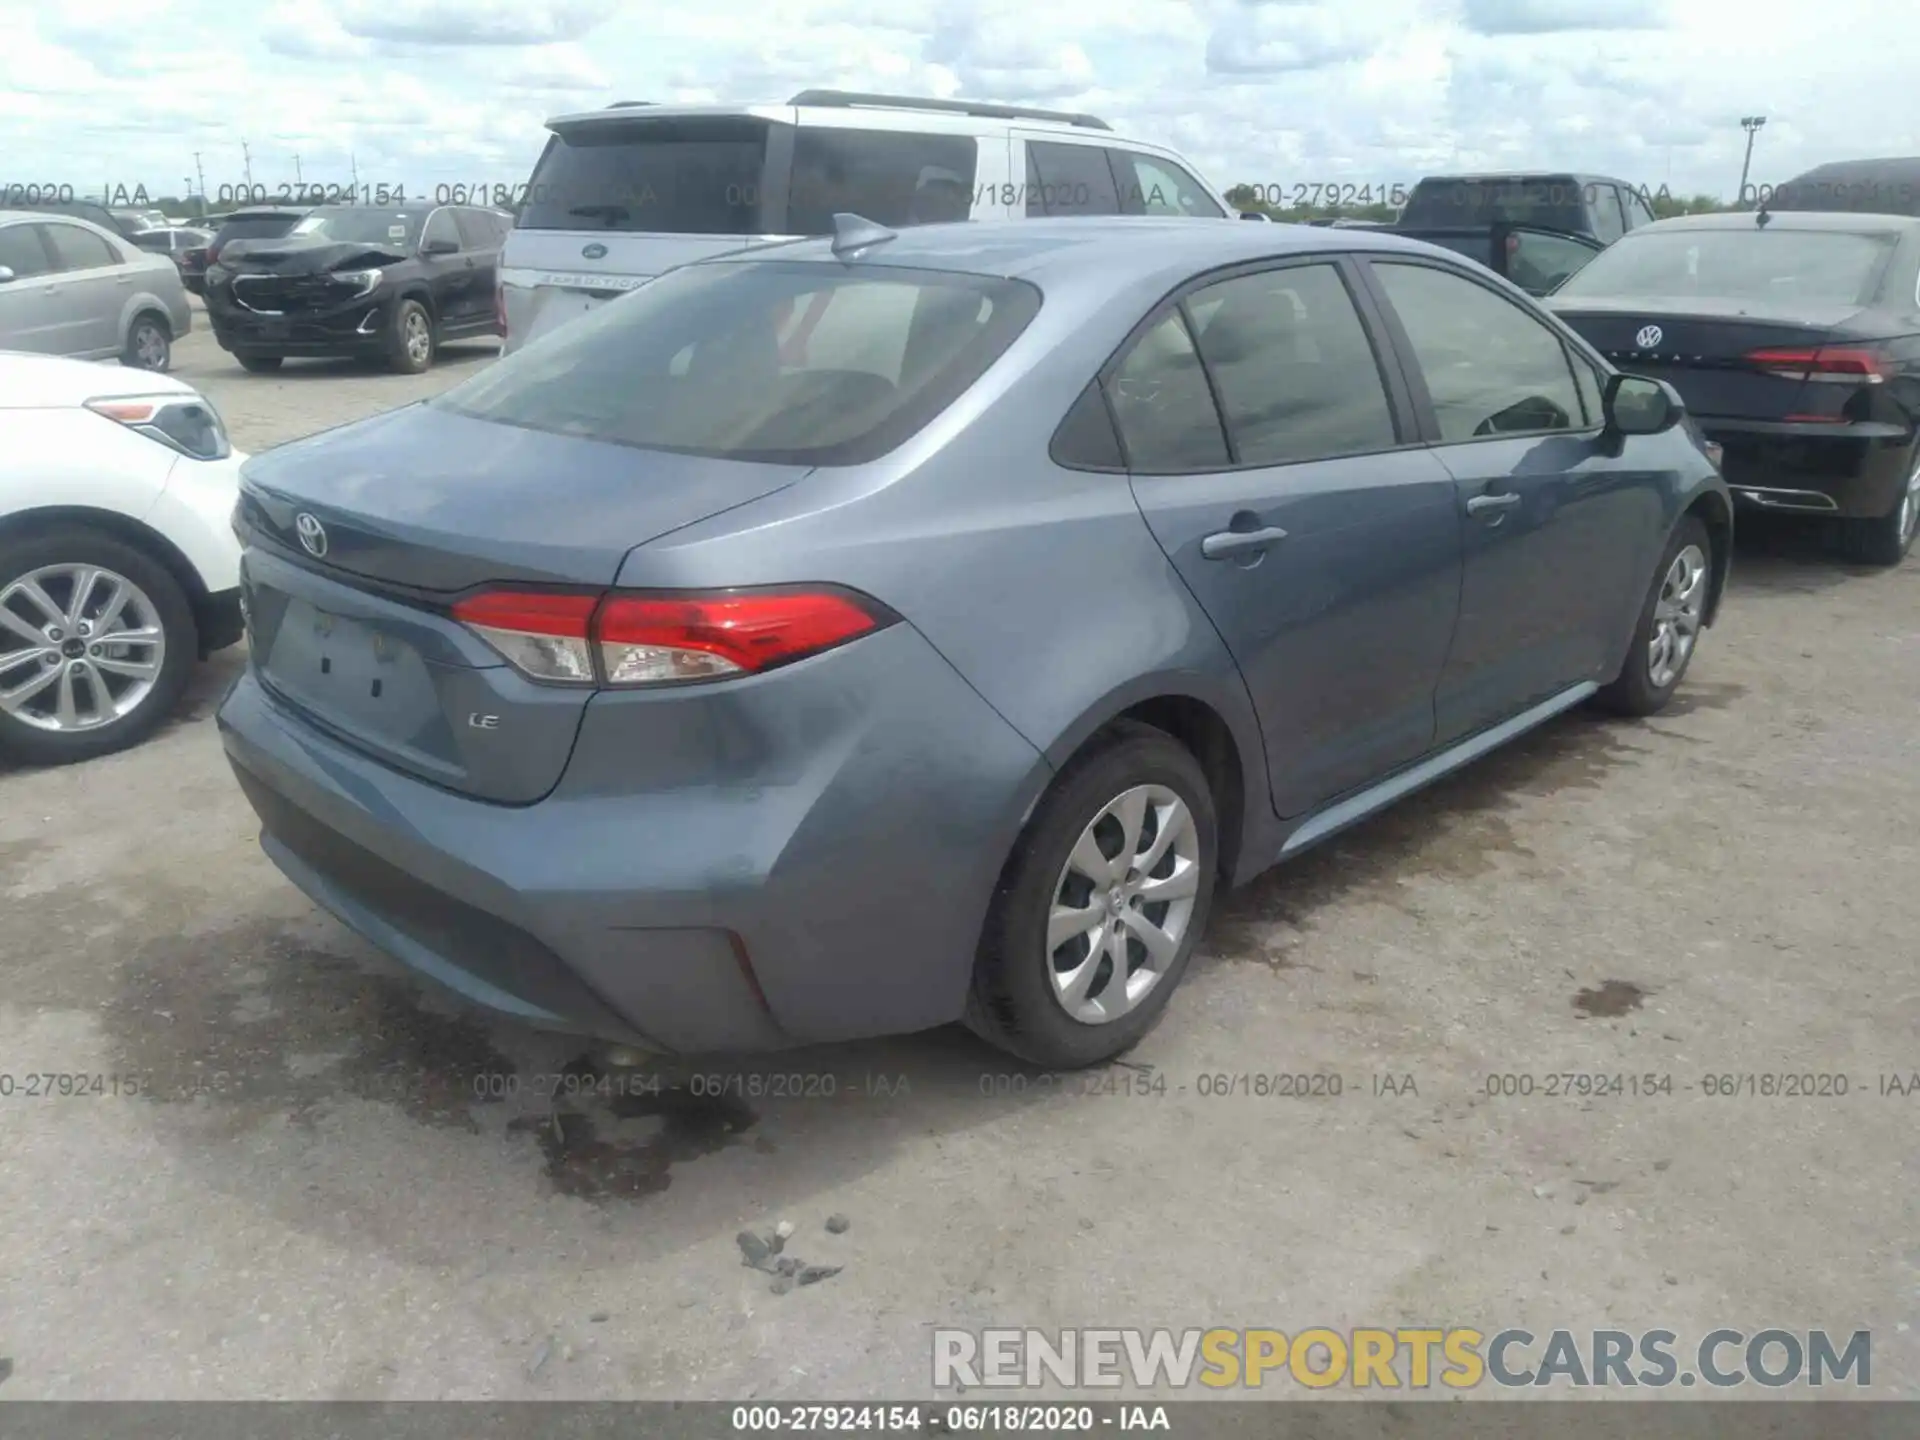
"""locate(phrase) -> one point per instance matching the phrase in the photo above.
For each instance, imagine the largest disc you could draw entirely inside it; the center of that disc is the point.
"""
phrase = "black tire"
(260, 364)
(1012, 1003)
(1633, 691)
(407, 314)
(82, 545)
(149, 344)
(1886, 539)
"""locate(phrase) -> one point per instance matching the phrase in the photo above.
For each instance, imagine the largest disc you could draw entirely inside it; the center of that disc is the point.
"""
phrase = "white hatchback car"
(118, 564)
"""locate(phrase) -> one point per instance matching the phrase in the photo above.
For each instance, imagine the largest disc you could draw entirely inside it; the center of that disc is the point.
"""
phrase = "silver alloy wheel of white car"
(1677, 616)
(80, 647)
(1123, 904)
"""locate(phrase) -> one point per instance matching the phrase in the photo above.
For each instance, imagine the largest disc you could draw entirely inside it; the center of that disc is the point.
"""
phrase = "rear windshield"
(1889, 192)
(1831, 266)
(1557, 202)
(256, 227)
(781, 361)
(679, 176)
(359, 225)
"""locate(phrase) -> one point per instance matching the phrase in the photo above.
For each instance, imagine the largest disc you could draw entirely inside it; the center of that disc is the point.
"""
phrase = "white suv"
(621, 194)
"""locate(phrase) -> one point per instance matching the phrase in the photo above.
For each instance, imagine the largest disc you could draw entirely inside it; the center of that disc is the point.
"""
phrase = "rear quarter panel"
(1042, 586)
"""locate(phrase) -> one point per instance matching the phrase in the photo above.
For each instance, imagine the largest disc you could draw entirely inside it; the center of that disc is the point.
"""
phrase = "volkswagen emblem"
(596, 251)
(313, 535)
(1649, 337)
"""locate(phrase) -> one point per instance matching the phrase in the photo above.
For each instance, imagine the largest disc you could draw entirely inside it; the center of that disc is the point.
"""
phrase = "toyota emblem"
(595, 251)
(1649, 337)
(313, 535)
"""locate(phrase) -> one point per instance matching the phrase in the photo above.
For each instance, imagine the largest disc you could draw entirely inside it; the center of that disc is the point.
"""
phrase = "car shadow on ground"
(453, 352)
(1778, 554)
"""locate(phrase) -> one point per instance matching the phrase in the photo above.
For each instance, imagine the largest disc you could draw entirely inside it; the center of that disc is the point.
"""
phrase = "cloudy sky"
(1280, 92)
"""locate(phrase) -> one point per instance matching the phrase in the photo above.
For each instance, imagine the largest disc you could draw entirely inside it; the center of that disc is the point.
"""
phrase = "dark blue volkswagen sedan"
(864, 634)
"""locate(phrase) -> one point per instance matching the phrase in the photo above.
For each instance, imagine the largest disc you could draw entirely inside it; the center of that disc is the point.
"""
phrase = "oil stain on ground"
(1611, 998)
(584, 1161)
(260, 1023)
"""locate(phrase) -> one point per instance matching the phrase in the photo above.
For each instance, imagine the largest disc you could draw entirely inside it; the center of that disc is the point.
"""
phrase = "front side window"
(1065, 179)
(21, 251)
(1290, 359)
(781, 361)
(1167, 418)
(476, 230)
(1151, 186)
(1491, 369)
(1540, 262)
(441, 226)
(77, 249)
(892, 177)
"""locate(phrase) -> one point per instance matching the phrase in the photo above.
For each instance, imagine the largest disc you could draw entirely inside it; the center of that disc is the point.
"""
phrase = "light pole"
(1751, 124)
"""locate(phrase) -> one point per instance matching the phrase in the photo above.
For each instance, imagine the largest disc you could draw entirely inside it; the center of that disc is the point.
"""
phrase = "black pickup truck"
(1534, 228)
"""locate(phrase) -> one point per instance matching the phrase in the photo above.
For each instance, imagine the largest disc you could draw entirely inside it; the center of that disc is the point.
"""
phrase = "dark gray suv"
(855, 636)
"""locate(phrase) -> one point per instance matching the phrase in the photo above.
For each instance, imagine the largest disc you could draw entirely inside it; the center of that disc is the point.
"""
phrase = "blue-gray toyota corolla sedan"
(870, 633)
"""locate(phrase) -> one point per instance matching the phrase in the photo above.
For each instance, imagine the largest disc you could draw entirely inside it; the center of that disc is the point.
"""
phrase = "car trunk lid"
(1714, 351)
(358, 547)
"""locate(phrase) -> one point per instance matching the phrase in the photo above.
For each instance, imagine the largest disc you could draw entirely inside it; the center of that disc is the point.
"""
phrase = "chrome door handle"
(1483, 504)
(1229, 543)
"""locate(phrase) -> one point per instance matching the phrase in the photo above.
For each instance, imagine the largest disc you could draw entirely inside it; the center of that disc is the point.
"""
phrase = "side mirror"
(440, 247)
(1637, 405)
(6, 274)
(1254, 215)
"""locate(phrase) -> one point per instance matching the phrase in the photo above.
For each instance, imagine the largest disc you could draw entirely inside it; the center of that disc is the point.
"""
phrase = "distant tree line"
(1664, 204)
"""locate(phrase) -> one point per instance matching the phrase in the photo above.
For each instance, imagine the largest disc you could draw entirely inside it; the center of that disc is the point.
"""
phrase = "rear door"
(1312, 526)
(91, 284)
(30, 318)
(1553, 529)
(617, 199)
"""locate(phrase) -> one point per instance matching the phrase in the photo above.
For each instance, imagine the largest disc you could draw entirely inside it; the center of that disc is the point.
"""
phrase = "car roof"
(1852, 222)
(1508, 177)
(1115, 249)
(42, 213)
(899, 112)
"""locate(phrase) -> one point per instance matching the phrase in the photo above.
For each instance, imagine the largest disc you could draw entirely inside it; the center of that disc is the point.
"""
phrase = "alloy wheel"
(419, 338)
(1676, 616)
(1910, 506)
(149, 346)
(1123, 904)
(80, 647)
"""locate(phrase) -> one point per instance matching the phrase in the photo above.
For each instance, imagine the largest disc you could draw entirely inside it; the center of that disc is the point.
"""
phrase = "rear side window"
(157, 241)
(21, 252)
(1539, 262)
(1609, 224)
(1491, 368)
(893, 177)
(77, 249)
(1151, 186)
(476, 230)
(1161, 402)
(1070, 180)
(1637, 212)
(1292, 365)
(1791, 266)
(701, 175)
(1558, 202)
(794, 363)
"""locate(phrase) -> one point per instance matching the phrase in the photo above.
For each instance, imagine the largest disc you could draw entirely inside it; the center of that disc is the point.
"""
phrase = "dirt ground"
(333, 1184)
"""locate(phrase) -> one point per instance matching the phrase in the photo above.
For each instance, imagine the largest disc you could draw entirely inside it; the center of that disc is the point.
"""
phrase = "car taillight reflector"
(645, 640)
(1845, 365)
(661, 639)
(543, 634)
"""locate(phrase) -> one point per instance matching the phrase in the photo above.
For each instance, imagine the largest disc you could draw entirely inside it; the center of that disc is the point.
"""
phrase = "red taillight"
(646, 639)
(655, 639)
(1830, 363)
(543, 634)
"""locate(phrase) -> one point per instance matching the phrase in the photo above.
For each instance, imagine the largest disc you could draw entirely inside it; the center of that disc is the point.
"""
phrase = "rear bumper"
(811, 864)
(1852, 471)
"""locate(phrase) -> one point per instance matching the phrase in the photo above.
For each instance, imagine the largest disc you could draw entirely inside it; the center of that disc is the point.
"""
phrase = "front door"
(1552, 525)
(27, 317)
(1317, 533)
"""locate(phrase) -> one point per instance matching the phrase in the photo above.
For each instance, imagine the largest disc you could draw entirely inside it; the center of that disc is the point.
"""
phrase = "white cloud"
(429, 92)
